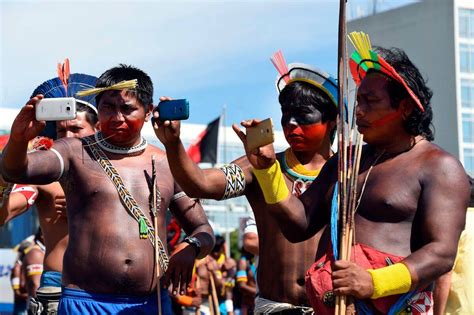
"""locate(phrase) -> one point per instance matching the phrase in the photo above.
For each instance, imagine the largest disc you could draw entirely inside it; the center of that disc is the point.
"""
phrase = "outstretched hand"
(350, 279)
(167, 131)
(262, 157)
(25, 127)
(180, 268)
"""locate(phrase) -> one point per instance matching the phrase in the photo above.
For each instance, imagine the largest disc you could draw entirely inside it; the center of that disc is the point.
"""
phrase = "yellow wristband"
(273, 183)
(391, 280)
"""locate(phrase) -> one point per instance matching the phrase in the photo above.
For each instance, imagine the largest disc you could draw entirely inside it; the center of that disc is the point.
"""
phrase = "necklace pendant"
(300, 186)
(143, 228)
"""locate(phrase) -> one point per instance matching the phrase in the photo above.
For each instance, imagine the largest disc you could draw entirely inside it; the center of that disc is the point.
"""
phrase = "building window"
(468, 127)
(469, 161)
(467, 57)
(467, 93)
(466, 23)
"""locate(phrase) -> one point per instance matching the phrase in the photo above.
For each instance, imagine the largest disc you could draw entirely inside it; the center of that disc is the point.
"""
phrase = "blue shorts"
(74, 301)
(50, 279)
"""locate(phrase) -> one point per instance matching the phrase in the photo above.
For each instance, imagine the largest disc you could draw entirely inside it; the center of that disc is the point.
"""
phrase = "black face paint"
(301, 114)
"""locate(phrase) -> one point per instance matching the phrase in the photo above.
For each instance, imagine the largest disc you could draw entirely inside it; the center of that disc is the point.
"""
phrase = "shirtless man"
(20, 293)
(412, 209)
(49, 199)
(308, 121)
(110, 252)
(32, 266)
(222, 270)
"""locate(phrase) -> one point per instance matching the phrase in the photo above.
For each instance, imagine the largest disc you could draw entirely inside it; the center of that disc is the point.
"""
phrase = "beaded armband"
(235, 181)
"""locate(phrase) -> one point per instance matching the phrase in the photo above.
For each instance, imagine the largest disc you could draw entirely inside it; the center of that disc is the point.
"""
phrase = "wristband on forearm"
(272, 183)
(15, 283)
(391, 280)
(242, 276)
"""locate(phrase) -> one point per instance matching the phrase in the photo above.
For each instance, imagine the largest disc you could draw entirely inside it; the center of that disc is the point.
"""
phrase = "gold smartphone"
(260, 135)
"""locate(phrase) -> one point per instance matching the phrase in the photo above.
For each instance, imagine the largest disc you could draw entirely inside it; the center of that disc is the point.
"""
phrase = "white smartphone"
(61, 108)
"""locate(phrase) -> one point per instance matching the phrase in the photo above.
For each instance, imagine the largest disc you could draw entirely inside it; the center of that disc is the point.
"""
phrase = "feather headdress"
(67, 85)
(304, 73)
(364, 58)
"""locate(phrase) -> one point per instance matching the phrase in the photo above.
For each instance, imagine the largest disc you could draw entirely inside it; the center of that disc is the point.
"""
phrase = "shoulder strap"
(128, 201)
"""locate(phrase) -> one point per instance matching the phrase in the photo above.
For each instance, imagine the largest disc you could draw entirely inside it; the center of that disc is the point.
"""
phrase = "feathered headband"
(303, 73)
(67, 85)
(364, 58)
(130, 84)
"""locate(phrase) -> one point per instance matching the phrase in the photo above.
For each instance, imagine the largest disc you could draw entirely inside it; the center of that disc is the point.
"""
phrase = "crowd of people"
(102, 193)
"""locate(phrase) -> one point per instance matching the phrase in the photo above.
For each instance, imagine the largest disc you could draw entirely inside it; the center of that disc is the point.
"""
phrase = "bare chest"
(88, 180)
(388, 193)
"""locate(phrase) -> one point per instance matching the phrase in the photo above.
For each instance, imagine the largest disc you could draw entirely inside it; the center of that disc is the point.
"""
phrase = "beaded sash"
(127, 199)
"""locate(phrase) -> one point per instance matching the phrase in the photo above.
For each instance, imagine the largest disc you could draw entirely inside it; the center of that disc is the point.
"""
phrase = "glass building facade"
(466, 64)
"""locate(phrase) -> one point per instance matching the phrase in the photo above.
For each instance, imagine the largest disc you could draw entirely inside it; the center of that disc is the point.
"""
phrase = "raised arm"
(299, 219)
(209, 183)
(41, 167)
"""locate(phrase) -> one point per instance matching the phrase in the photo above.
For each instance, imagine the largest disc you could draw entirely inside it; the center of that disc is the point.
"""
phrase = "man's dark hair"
(299, 92)
(91, 115)
(418, 123)
(123, 72)
(219, 244)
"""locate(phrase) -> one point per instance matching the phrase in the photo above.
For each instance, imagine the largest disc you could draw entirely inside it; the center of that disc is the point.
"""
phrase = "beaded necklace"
(104, 145)
(302, 177)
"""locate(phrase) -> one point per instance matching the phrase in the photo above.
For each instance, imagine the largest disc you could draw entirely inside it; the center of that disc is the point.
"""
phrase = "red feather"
(280, 64)
(390, 71)
(64, 72)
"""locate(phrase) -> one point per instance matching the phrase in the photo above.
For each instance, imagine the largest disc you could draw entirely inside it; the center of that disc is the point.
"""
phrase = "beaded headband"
(304, 73)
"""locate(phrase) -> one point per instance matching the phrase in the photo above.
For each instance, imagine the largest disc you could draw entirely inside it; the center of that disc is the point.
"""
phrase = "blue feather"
(334, 217)
(54, 88)
(77, 82)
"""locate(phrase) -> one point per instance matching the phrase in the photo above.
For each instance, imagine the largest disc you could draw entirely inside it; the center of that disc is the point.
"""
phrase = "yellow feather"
(130, 84)
(362, 44)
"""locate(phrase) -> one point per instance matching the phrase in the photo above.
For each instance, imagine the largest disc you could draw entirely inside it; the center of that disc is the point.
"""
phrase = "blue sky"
(213, 53)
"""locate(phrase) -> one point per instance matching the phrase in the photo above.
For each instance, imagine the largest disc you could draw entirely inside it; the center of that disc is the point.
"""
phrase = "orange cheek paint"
(304, 137)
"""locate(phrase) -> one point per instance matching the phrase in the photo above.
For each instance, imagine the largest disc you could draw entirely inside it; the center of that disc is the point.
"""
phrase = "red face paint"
(305, 137)
(121, 118)
(387, 118)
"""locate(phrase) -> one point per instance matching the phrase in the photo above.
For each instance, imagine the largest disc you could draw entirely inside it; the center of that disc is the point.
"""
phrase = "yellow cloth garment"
(461, 294)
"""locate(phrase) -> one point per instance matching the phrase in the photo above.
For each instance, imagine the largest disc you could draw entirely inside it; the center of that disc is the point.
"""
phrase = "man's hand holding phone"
(56, 109)
(258, 142)
(25, 127)
(166, 119)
